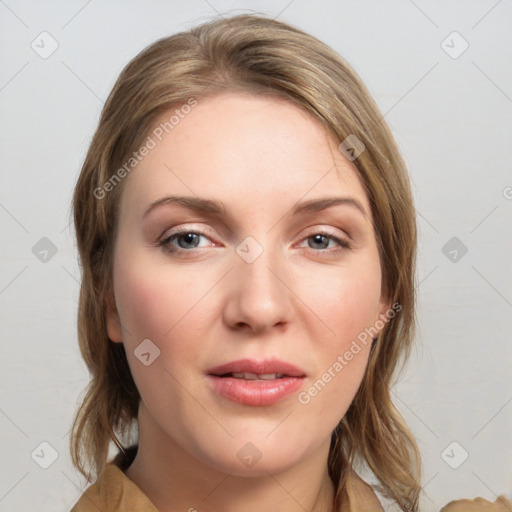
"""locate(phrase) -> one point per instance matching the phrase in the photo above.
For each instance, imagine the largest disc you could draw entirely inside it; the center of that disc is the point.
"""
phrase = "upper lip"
(257, 367)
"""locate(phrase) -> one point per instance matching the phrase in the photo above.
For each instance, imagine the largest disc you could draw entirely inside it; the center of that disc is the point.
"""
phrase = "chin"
(261, 464)
(252, 455)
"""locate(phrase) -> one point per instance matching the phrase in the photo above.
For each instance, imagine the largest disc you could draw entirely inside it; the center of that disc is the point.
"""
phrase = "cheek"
(149, 301)
(143, 307)
(162, 306)
(341, 358)
(151, 309)
(348, 303)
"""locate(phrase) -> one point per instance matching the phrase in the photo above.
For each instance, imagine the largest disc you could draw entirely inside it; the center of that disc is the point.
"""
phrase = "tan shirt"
(115, 492)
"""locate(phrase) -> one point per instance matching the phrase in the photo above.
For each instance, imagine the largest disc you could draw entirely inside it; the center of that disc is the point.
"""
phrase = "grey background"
(452, 120)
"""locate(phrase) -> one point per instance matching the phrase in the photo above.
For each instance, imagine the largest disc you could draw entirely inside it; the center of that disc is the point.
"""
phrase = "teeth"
(254, 376)
(268, 376)
(246, 376)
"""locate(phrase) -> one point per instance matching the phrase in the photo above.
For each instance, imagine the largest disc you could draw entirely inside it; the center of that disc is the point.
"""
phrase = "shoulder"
(113, 492)
(359, 496)
(478, 505)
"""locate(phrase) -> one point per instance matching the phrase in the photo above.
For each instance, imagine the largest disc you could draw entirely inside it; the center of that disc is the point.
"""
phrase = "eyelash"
(166, 242)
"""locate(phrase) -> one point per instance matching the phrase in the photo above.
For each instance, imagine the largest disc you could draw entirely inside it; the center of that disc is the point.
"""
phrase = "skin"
(303, 300)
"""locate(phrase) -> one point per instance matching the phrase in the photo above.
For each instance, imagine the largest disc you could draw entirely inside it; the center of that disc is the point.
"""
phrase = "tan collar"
(115, 492)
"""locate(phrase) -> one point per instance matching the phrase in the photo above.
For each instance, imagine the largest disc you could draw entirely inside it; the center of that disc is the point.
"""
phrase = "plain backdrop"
(448, 99)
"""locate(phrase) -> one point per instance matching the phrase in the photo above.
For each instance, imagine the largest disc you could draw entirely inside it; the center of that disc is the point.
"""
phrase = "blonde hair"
(260, 56)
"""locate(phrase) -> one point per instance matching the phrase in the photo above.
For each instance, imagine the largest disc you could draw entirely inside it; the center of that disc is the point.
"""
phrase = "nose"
(259, 297)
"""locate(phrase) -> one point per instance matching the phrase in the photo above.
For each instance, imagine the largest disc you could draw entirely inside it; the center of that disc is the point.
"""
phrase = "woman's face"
(268, 264)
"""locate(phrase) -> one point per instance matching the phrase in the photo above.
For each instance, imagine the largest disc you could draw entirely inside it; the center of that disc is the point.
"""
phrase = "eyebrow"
(213, 207)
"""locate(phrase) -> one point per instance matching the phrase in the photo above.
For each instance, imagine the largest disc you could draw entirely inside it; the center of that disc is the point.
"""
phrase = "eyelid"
(344, 242)
(326, 229)
(165, 242)
(171, 248)
(186, 228)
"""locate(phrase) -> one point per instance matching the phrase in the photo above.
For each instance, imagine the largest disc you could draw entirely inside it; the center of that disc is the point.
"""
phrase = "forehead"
(241, 147)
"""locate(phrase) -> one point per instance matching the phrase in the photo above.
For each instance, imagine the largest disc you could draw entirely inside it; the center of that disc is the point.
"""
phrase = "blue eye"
(321, 241)
(186, 240)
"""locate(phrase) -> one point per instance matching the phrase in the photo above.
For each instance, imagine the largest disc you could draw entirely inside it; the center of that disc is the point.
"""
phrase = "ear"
(385, 311)
(114, 331)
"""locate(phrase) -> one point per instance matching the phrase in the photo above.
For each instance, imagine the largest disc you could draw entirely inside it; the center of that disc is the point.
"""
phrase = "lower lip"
(255, 392)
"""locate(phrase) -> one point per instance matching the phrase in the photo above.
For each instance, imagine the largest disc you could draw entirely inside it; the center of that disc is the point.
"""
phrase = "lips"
(255, 383)
(250, 366)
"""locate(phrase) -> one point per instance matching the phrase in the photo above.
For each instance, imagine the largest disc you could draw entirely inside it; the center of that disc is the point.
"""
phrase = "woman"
(247, 238)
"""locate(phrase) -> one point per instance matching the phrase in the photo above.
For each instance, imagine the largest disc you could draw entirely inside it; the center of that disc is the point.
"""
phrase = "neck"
(174, 480)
